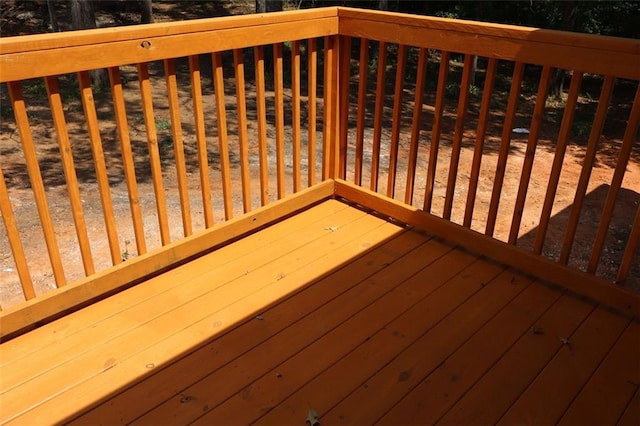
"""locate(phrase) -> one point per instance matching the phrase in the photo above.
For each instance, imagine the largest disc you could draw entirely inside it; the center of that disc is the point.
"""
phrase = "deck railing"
(210, 119)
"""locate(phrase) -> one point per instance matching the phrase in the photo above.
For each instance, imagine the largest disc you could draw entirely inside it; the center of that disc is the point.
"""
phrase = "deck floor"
(337, 312)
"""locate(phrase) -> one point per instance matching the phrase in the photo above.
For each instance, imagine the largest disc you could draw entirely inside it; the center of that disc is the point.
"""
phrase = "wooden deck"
(333, 310)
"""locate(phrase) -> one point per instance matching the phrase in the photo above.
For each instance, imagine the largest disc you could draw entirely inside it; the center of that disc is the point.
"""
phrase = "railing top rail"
(560, 38)
(25, 57)
(618, 57)
(35, 42)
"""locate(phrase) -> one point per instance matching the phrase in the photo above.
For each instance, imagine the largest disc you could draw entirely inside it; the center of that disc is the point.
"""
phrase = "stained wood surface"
(335, 310)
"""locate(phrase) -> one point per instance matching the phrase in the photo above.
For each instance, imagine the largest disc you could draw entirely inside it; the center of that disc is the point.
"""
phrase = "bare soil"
(14, 170)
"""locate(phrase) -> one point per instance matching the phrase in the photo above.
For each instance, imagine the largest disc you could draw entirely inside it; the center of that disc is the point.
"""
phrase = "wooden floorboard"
(336, 311)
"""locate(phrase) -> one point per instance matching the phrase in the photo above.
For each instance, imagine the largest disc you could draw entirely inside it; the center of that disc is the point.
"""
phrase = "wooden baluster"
(68, 166)
(621, 166)
(435, 130)
(295, 124)
(512, 105)
(127, 157)
(377, 117)
(363, 71)
(345, 77)
(35, 177)
(154, 153)
(278, 76)
(630, 249)
(312, 94)
(221, 112)
(102, 177)
(558, 159)
(395, 125)
(330, 101)
(261, 106)
(13, 235)
(238, 61)
(415, 125)
(525, 177)
(587, 166)
(178, 144)
(201, 139)
(483, 119)
(456, 146)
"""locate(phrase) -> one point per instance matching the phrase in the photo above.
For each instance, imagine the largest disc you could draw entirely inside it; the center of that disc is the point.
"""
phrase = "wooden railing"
(210, 119)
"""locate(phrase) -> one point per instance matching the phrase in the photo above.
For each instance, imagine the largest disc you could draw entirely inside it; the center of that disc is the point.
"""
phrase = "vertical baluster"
(312, 93)
(262, 124)
(221, 112)
(435, 130)
(456, 146)
(295, 124)
(69, 169)
(178, 145)
(13, 235)
(415, 125)
(330, 100)
(512, 104)
(395, 126)
(201, 140)
(377, 117)
(483, 119)
(536, 121)
(556, 168)
(127, 157)
(35, 177)
(616, 182)
(630, 249)
(154, 153)
(238, 61)
(345, 76)
(278, 76)
(102, 177)
(587, 166)
(362, 97)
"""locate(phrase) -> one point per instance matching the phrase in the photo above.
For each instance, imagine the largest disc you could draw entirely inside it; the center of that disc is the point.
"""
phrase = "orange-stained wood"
(35, 177)
(587, 166)
(154, 152)
(68, 166)
(396, 117)
(558, 158)
(536, 122)
(363, 71)
(377, 115)
(127, 157)
(295, 111)
(312, 87)
(503, 155)
(345, 78)
(243, 138)
(616, 182)
(463, 101)
(178, 144)
(435, 131)
(278, 83)
(483, 120)
(201, 140)
(415, 126)
(261, 107)
(223, 138)
(13, 235)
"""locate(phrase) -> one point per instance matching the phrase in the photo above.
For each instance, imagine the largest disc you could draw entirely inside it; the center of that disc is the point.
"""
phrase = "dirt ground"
(12, 162)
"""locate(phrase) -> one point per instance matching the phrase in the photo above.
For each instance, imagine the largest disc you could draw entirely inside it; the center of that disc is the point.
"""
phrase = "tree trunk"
(383, 4)
(82, 14)
(146, 11)
(83, 17)
(53, 18)
(568, 24)
(263, 6)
